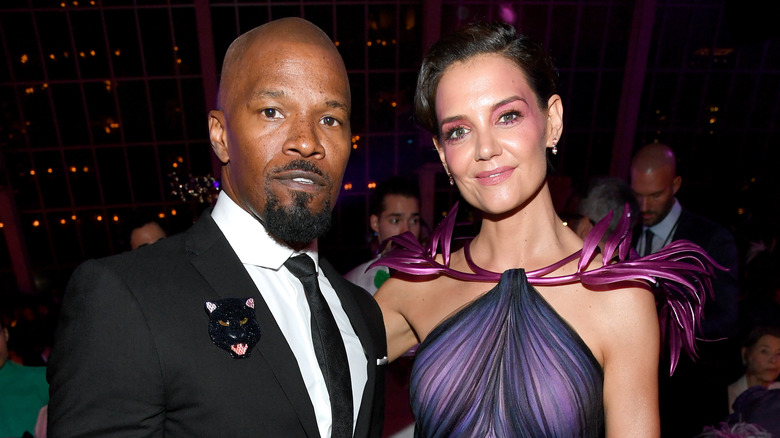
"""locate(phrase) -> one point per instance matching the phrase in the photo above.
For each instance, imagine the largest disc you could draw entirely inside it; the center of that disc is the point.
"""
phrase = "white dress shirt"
(264, 259)
(663, 232)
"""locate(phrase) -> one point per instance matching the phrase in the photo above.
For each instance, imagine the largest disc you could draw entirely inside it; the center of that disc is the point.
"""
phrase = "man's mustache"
(306, 166)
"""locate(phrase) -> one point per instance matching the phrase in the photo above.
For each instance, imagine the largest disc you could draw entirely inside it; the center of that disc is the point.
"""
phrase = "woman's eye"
(223, 323)
(456, 133)
(508, 117)
(244, 321)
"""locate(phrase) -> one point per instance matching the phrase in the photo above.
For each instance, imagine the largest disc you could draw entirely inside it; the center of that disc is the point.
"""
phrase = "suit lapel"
(219, 265)
(356, 318)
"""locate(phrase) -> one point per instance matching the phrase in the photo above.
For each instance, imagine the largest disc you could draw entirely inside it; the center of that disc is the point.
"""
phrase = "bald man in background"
(696, 395)
(209, 333)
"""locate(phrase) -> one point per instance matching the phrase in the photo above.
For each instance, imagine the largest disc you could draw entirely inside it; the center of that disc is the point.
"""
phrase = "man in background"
(394, 209)
(695, 396)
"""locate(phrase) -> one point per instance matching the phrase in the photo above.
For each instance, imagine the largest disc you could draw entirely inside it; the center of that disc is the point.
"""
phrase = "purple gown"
(507, 365)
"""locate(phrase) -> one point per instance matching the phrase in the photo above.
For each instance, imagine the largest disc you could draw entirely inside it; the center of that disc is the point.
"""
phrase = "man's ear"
(676, 183)
(218, 135)
(373, 221)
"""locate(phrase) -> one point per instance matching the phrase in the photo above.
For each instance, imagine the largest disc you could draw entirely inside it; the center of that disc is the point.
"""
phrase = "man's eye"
(394, 221)
(271, 113)
(330, 121)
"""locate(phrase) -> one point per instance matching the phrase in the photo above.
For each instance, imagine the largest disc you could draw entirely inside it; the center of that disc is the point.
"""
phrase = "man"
(148, 341)
(696, 395)
(23, 392)
(395, 209)
(146, 233)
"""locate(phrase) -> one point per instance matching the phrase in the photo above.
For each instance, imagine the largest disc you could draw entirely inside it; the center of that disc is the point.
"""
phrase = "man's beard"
(296, 225)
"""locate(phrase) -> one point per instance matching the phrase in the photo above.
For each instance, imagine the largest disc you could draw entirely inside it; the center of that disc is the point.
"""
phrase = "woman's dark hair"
(752, 338)
(478, 39)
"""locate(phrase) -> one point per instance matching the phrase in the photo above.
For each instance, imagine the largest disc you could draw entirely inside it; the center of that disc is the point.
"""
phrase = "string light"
(36, 223)
(348, 186)
(372, 185)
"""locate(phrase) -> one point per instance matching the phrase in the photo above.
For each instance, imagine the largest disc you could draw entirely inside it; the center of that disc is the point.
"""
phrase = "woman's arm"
(631, 353)
(400, 336)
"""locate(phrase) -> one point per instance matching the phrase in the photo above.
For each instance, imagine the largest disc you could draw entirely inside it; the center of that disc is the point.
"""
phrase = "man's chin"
(298, 221)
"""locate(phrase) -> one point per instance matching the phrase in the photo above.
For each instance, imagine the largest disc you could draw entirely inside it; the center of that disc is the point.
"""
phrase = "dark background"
(104, 101)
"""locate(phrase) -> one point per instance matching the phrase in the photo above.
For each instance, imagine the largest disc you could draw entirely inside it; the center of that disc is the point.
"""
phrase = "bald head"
(654, 181)
(285, 31)
(652, 157)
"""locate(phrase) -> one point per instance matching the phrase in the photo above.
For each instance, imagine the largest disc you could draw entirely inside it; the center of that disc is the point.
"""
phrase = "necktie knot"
(301, 266)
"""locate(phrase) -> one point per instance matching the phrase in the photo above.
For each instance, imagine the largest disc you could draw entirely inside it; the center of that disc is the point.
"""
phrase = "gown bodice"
(506, 365)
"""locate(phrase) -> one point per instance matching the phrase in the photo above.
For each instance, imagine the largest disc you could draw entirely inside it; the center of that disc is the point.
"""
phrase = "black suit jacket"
(696, 396)
(132, 355)
(721, 315)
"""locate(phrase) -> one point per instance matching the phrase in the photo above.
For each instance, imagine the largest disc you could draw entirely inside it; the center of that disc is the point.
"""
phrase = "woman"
(761, 357)
(502, 358)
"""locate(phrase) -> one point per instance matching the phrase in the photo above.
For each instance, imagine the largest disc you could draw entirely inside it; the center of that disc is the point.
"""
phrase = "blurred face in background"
(763, 361)
(654, 191)
(400, 214)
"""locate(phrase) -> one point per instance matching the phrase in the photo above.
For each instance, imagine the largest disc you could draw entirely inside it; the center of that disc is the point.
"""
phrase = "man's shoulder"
(696, 225)
(356, 273)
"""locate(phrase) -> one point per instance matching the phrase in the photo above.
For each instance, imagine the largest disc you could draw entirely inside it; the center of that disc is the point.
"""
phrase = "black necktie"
(328, 346)
(648, 243)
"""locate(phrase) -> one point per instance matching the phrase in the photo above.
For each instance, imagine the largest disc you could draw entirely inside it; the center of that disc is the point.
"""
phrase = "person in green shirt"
(23, 392)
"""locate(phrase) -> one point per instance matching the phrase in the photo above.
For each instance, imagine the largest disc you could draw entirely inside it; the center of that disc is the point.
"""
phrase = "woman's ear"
(554, 118)
(744, 356)
(442, 157)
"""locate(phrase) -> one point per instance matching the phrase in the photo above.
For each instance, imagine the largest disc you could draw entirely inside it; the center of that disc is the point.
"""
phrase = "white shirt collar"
(664, 228)
(249, 238)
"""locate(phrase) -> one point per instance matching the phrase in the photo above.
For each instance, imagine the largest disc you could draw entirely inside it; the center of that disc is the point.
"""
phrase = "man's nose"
(642, 200)
(303, 138)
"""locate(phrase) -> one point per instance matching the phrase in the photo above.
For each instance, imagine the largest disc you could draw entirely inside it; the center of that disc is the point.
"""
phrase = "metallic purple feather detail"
(680, 272)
